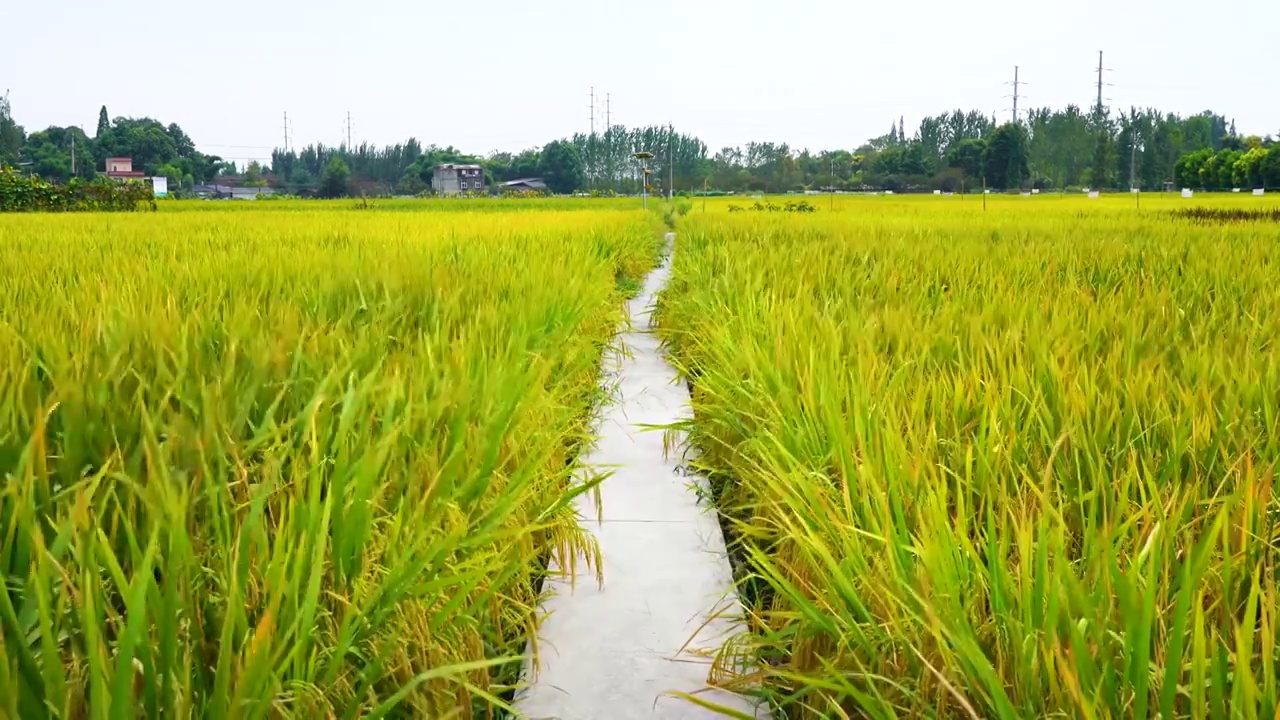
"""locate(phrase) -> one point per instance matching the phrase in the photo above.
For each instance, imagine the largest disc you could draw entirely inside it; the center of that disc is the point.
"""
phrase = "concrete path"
(618, 652)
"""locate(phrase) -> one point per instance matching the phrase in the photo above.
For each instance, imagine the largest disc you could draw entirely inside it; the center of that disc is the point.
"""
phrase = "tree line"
(953, 151)
(59, 154)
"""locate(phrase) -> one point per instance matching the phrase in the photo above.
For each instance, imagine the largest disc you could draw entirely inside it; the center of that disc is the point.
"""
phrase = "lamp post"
(644, 156)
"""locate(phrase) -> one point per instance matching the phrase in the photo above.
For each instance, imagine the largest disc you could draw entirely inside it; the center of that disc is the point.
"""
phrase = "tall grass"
(309, 464)
(993, 465)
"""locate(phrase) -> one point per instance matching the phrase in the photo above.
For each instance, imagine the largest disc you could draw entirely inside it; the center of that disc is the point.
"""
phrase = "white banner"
(160, 186)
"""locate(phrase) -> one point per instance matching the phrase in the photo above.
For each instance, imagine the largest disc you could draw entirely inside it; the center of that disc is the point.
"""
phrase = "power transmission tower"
(286, 131)
(348, 131)
(1098, 108)
(1016, 85)
(592, 108)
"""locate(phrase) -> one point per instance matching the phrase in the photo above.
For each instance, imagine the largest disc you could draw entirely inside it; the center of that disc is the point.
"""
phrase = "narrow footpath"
(618, 652)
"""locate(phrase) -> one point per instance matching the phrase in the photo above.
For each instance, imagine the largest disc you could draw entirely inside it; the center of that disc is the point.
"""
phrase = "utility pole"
(348, 131)
(671, 167)
(73, 154)
(608, 112)
(286, 131)
(832, 192)
(1133, 156)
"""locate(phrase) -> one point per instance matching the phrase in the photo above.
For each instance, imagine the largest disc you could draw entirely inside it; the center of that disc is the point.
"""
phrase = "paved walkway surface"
(618, 652)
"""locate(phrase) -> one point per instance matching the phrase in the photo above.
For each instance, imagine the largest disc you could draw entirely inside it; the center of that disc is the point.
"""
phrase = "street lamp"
(644, 156)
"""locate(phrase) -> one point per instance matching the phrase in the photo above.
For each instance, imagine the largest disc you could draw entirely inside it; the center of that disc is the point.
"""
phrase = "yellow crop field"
(292, 461)
(1014, 463)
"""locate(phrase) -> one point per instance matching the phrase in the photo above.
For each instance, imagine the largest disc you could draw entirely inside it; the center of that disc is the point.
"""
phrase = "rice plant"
(1015, 463)
(292, 464)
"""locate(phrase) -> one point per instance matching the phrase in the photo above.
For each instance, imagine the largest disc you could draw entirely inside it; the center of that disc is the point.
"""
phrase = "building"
(121, 168)
(251, 193)
(451, 179)
(524, 185)
(228, 192)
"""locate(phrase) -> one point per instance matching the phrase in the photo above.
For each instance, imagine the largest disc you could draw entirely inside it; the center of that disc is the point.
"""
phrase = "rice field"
(293, 460)
(1013, 463)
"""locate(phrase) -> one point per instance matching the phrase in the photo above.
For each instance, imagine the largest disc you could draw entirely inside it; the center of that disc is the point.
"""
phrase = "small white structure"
(1186, 193)
(1094, 194)
(1259, 192)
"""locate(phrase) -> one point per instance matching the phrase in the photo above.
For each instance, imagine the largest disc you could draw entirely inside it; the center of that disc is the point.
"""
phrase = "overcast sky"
(509, 74)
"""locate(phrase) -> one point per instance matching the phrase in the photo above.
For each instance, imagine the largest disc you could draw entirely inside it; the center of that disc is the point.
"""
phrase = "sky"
(511, 74)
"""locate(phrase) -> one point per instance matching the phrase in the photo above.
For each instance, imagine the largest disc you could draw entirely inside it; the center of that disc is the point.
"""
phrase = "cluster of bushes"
(791, 207)
(30, 193)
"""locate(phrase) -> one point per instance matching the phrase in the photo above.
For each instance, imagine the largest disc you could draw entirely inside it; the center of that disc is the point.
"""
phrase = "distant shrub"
(31, 193)
(802, 206)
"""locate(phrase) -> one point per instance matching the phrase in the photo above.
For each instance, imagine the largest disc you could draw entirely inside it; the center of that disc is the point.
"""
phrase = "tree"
(1005, 161)
(49, 152)
(966, 155)
(1100, 173)
(1270, 168)
(336, 177)
(301, 182)
(561, 167)
(253, 175)
(1186, 172)
(173, 173)
(104, 122)
(12, 135)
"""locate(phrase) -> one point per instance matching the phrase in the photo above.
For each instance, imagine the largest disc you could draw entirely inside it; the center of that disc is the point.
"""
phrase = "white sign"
(1235, 189)
(1187, 193)
(1035, 191)
(1133, 190)
(160, 186)
(937, 192)
(1259, 192)
(1093, 194)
